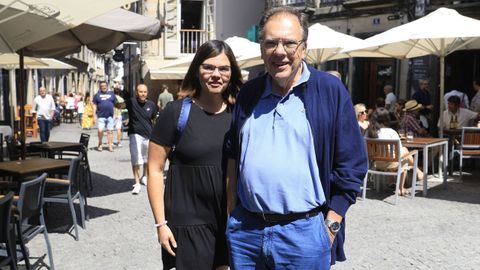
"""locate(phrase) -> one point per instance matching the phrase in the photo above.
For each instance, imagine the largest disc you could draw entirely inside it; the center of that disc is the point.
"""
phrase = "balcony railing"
(192, 39)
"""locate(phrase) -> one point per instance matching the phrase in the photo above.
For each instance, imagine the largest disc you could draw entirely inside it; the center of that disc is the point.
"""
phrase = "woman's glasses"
(209, 69)
(363, 112)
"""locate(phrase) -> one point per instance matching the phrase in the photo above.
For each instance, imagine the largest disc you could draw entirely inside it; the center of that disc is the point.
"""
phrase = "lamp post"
(129, 59)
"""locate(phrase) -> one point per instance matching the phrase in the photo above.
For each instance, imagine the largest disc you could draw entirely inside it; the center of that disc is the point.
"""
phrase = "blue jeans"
(44, 126)
(256, 244)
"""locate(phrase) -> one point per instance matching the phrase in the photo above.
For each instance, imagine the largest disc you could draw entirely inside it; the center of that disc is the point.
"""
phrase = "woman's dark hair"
(191, 83)
(380, 118)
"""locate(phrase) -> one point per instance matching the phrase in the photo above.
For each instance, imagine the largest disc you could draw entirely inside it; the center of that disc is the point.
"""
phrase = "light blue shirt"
(278, 170)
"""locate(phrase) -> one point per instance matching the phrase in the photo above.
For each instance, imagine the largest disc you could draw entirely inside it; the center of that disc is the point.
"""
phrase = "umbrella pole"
(22, 136)
(442, 86)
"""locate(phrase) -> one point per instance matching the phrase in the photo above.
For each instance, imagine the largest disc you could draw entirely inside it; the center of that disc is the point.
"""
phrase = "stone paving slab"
(438, 232)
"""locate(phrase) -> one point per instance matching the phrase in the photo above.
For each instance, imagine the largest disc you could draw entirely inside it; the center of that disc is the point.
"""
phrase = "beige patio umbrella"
(11, 61)
(439, 33)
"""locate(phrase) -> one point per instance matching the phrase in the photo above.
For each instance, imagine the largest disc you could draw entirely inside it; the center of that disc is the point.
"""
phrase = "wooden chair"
(470, 145)
(388, 151)
(31, 124)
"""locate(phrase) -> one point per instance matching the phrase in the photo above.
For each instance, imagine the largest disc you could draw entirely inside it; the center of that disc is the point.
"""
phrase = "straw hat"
(412, 105)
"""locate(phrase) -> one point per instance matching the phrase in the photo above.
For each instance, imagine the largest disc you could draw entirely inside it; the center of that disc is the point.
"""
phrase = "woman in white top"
(378, 128)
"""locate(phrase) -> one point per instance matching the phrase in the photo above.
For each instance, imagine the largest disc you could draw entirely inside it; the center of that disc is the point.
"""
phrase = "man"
(43, 110)
(464, 102)
(103, 103)
(164, 97)
(302, 157)
(459, 116)
(422, 96)
(390, 98)
(409, 121)
(141, 113)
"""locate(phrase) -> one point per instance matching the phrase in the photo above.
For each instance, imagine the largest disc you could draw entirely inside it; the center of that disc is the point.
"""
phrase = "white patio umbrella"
(324, 44)
(440, 33)
(23, 22)
(246, 52)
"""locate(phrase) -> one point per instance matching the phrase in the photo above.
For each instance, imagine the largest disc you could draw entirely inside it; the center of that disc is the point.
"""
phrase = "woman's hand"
(166, 239)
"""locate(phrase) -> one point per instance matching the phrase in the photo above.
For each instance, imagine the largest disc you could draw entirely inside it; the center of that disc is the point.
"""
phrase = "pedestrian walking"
(43, 109)
(88, 119)
(117, 116)
(141, 113)
(296, 157)
(103, 102)
(191, 133)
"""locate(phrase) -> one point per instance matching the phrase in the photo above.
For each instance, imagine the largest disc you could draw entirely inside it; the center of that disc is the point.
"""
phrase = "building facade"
(188, 25)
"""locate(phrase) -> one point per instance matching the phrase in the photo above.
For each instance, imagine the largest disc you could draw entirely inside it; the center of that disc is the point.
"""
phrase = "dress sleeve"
(164, 130)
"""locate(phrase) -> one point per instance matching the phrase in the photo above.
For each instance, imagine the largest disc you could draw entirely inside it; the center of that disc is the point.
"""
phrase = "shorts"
(105, 123)
(138, 149)
(117, 122)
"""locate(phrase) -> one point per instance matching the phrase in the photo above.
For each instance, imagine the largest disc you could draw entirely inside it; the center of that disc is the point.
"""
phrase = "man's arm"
(52, 107)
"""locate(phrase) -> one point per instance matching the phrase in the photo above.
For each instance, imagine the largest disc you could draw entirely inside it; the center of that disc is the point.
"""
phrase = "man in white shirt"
(462, 117)
(164, 98)
(390, 98)
(43, 109)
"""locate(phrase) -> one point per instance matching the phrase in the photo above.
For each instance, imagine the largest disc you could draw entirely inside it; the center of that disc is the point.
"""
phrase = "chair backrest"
(13, 153)
(73, 171)
(84, 139)
(30, 200)
(383, 150)
(5, 214)
(470, 137)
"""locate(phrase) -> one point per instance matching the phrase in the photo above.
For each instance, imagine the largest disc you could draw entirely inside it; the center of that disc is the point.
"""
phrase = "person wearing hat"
(409, 120)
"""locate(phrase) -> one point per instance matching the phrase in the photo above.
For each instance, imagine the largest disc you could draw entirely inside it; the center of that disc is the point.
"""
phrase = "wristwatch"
(333, 226)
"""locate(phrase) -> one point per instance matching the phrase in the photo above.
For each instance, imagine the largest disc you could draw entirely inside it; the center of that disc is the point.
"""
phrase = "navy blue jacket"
(339, 145)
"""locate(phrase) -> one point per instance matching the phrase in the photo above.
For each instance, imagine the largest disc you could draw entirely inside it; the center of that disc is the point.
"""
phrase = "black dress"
(195, 197)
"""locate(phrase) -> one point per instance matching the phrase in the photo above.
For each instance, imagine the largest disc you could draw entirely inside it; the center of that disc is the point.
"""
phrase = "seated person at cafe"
(410, 120)
(455, 117)
(361, 112)
(379, 121)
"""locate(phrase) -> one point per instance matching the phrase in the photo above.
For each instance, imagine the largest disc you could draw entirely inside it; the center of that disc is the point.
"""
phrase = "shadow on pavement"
(104, 185)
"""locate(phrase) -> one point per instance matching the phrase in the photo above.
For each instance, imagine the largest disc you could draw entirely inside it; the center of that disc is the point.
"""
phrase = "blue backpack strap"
(182, 119)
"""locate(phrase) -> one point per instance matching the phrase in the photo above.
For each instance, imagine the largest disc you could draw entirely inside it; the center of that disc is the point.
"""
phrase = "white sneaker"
(136, 189)
(144, 180)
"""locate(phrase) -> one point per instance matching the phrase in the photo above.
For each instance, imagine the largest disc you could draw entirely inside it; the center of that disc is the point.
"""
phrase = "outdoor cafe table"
(425, 144)
(50, 148)
(20, 169)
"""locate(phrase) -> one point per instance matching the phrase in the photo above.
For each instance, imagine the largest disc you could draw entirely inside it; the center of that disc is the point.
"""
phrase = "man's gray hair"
(302, 19)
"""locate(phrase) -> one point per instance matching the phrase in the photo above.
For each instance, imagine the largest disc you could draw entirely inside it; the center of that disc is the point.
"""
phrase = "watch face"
(335, 226)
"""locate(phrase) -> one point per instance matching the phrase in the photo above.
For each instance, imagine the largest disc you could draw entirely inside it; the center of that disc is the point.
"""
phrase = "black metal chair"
(7, 235)
(29, 216)
(67, 191)
(84, 139)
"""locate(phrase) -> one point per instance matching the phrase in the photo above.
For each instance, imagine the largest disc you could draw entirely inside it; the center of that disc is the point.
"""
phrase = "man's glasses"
(209, 69)
(290, 46)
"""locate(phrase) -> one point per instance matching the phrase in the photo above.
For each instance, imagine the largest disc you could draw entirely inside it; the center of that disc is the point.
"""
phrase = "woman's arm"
(157, 155)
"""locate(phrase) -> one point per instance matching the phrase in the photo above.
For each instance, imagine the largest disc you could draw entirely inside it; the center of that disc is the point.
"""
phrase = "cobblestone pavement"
(438, 232)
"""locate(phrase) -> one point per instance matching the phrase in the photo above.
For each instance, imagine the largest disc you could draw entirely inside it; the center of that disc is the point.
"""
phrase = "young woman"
(193, 199)
(379, 122)
(88, 119)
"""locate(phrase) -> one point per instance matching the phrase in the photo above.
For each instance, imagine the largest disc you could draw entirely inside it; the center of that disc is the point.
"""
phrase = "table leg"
(425, 170)
(444, 163)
